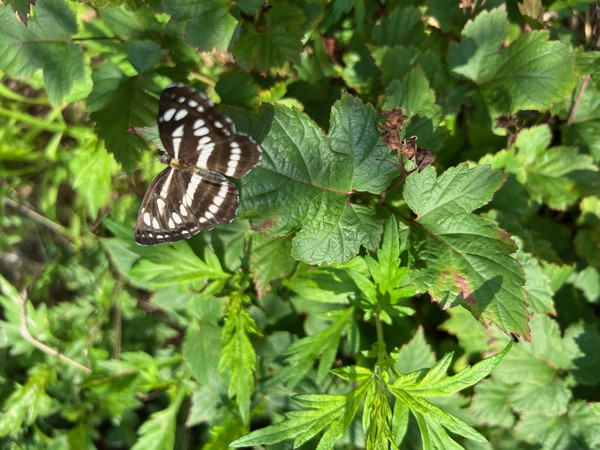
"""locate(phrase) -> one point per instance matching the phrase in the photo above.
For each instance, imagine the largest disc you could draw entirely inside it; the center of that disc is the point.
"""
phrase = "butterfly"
(202, 147)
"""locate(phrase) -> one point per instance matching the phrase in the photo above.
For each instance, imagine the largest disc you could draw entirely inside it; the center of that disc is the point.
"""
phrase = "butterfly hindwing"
(202, 146)
(179, 204)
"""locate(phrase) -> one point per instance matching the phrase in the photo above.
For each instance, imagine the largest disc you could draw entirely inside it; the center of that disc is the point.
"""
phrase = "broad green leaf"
(585, 342)
(480, 40)
(274, 44)
(304, 181)
(577, 428)
(44, 44)
(324, 284)
(472, 335)
(211, 30)
(531, 74)
(490, 404)
(398, 28)
(321, 411)
(583, 127)
(459, 257)
(160, 266)
(537, 284)
(143, 55)
(557, 176)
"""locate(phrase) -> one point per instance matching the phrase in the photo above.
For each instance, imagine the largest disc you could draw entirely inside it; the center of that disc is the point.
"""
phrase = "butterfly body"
(202, 147)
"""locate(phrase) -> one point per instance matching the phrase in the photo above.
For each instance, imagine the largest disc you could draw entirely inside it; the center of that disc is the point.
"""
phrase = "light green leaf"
(238, 357)
(459, 257)
(274, 44)
(27, 402)
(264, 252)
(158, 432)
(333, 411)
(303, 353)
(478, 47)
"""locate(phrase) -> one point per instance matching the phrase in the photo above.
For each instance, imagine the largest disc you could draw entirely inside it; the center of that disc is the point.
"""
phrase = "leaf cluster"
(363, 298)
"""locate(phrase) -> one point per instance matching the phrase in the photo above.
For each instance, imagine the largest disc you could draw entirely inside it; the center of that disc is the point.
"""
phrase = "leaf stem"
(40, 345)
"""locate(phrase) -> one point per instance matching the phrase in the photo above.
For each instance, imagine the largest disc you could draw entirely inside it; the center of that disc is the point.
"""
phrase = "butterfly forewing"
(192, 194)
(197, 135)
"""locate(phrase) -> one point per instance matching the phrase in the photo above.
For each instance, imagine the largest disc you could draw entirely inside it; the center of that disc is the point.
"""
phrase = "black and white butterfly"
(192, 193)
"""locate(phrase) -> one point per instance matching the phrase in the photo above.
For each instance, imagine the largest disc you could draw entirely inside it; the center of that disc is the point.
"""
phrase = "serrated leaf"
(557, 176)
(480, 40)
(93, 172)
(124, 107)
(158, 432)
(414, 95)
(531, 74)
(44, 44)
(459, 257)
(27, 402)
(276, 43)
(159, 266)
(238, 357)
(315, 175)
(398, 27)
(333, 411)
(303, 353)
(490, 404)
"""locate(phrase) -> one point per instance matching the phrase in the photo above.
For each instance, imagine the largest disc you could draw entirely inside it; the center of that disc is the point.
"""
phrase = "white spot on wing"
(201, 131)
(204, 155)
(155, 224)
(168, 115)
(165, 187)
(161, 205)
(171, 224)
(213, 208)
(176, 217)
(178, 132)
(176, 144)
(199, 123)
(147, 219)
(181, 114)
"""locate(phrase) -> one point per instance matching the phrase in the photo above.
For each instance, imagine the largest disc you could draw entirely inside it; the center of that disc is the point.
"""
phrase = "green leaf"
(27, 402)
(531, 74)
(459, 257)
(44, 44)
(414, 95)
(274, 44)
(315, 175)
(583, 127)
(557, 176)
(480, 40)
(398, 28)
(160, 266)
(213, 29)
(490, 404)
(472, 335)
(158, 432)
(413, 388)
(238, 357)
(302, 354)
(144, 54)
(263, 254)
(333, 411)
(124, 107)
(415, 355)
(92, 177)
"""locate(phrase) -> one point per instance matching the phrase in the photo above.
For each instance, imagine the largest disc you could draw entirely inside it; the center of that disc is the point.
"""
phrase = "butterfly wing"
(180, 203)
(194, 133)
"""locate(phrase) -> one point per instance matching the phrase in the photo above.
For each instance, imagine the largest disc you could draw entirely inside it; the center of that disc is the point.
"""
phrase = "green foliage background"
(351, 305)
